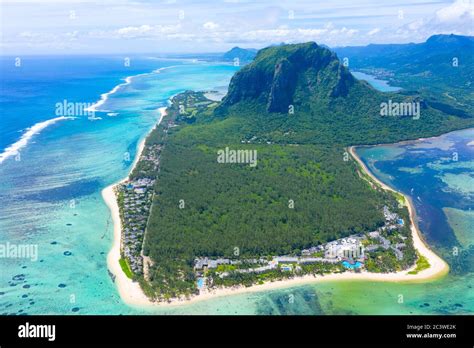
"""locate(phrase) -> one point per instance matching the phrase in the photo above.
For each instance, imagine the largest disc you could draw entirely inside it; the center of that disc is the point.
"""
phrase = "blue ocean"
(53, 168)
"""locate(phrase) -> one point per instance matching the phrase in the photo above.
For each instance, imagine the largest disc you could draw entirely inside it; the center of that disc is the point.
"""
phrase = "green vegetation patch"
(126, 268)
(421, 264)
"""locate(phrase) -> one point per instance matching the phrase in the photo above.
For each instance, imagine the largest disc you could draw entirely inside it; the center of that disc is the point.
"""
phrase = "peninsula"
(188, 227)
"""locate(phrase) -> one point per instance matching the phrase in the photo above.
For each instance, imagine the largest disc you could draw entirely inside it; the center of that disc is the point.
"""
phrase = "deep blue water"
(29, 92)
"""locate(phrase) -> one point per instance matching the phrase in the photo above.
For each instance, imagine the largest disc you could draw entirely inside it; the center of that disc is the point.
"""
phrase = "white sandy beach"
(438, 266)
(129, 291)
(132, 294)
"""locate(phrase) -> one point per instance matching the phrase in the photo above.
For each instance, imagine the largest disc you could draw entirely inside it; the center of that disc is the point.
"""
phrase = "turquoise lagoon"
(51, 197)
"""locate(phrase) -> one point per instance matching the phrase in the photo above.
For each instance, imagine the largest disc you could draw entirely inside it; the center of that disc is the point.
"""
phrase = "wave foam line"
(14, 149)
(128, 80)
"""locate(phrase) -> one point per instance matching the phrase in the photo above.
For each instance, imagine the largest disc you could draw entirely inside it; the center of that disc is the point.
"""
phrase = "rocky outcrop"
(280, 76)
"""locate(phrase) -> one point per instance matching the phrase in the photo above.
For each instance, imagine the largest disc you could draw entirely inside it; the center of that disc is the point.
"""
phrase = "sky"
(193, 26)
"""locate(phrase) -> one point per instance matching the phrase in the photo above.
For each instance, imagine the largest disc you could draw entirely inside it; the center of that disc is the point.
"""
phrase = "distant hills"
(442, 68)
(244, 55)
(410, 55)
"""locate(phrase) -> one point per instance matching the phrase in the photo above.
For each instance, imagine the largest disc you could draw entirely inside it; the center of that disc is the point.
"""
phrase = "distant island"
(192, 224)
(240, 55)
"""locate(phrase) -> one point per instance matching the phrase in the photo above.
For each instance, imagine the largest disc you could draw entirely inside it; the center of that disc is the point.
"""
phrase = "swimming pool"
(347, 264)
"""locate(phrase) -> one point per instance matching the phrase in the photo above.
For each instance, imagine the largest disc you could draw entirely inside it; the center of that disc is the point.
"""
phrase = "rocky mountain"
(278, 72)
(327, 104)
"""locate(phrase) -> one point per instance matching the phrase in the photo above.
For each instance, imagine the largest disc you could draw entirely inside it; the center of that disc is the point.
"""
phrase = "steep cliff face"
(282, 86)
(280, 76)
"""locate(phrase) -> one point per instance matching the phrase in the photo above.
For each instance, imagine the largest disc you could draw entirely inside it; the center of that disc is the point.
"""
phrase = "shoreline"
(132, 294)
(438, 267)
(403, 142)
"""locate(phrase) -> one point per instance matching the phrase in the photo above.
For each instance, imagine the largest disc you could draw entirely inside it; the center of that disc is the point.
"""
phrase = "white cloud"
(142, 31)
(326, 34)
(373, 31)
(134, 31)
(210, 26)
(457, 18)
(260, 37)
(217, 26)
(311, 32)
(456, 11)
(36, 37)
(47, 42)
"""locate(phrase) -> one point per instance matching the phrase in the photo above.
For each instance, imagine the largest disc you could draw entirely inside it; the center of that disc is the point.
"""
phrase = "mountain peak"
(243, 54)
(282, 75)
(443, 39)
